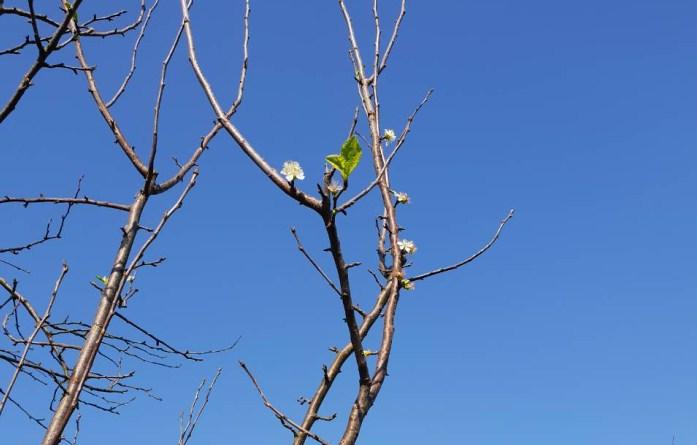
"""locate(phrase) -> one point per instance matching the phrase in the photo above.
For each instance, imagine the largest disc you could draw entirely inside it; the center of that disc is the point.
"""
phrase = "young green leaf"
(347, 161)
(337, 162)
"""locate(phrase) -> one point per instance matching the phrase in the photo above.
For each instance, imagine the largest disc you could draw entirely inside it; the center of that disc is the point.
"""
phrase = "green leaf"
(104, 280)
(351, 152)
(347, 161)
(337, 162)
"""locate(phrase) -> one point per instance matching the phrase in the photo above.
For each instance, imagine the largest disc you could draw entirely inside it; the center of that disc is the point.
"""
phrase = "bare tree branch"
(37, 328)
(41, 58)
(128, 150)
(47, 236)
(183, 169)
(187, 430)
(153, 236)
(393, 38)
(302, 250)
(288, 188)
(84, 200)
(285, 420)
(134, 56)
(400, 141)
(468, 260)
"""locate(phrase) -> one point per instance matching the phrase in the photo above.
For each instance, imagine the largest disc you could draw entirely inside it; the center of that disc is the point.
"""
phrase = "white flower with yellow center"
(408, 285)
(406, 246)
(334, 187)
(402, 198)
(292, 171)
(389, 135)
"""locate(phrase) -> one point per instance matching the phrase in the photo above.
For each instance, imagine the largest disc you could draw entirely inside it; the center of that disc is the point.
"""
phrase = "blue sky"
(577, 328)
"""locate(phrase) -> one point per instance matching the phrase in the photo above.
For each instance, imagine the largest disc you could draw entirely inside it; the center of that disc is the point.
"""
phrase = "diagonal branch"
(398, 145)
(393, 38)
(288, 188)
(331, 372)
(34, 69)
(205, 141)
(128, 150)
(35, 332)
(156, 232)
(189, 355)
(468, 260)
(134, 55)
(285, 420)
(302, 250)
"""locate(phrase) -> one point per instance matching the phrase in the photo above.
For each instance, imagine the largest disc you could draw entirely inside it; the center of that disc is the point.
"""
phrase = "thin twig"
(393, 38)
(155, 233)
(189, 355)
(289, 188)
(128, 150)
(188, 430)
(285, 420)
(354, 122)
(205, 141)
(134, 56)
(398, 145)
(486, 247)
(28, 77)
(302, 250)
(35, 332)
(84, 200)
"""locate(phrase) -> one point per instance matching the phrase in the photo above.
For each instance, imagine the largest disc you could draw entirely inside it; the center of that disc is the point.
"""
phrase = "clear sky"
(578, 328)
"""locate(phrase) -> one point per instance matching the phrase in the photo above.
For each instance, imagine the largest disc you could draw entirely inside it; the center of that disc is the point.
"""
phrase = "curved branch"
(206, 140)
(481, 251)
(286, 187)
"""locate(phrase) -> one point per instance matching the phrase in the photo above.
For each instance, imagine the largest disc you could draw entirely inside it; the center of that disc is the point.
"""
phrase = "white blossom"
(406, 246)
(334, 187)
(292, 170)
(408, 285)
(402, 198)
(389, 135)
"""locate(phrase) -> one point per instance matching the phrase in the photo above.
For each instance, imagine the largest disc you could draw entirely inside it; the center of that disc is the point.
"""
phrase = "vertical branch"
(371, 105)
(331, 372)
(35, 28)
(347, 301)
(158, 101)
